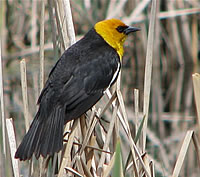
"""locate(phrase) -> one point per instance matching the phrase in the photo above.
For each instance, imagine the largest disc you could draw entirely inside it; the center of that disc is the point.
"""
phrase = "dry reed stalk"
(33, 24)
(159, 167)
(79, 165)
(157, 142)
(12, 145)
(55, 164)
(148, 71)
(197, 147)
(163, 15)
(107, 140)
(2, 105)
(157, 104)
(42, 21)
(91, 153)
(24, 92)
(25, 102)
(182, 153)
(176, 37)
(126, 127)
(78, 137)
(191, 155)
(196, 85)
(113, 130)
(188, 103)
(178, 12)
(111, 6)
(87, 3)
(118, 8)
(134, 163)
(61, 40)
(29, 51)
(109, 167)
(185, 35)
(53, 26)
(116, 131)
(73, 171)
(35, 86)
(85, 168)
(91, 126)
(178, 95)
(167, 14)
(137, 11)
(70, 25)
(136, 103)
(66, 160)
(152, 168)
(3, 28)
(111, 97)
(157, 99)
(42, 46)
(147, 162)
(61, 21)
(143, 38)
(93, 147)
(135, 166)
(124, 121)
(94, 164)
(195, 40)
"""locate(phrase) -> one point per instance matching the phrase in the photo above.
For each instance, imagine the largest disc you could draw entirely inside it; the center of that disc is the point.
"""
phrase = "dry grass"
(92, 146)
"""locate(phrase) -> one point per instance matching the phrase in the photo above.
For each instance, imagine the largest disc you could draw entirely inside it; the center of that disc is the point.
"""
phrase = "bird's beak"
(131, 29)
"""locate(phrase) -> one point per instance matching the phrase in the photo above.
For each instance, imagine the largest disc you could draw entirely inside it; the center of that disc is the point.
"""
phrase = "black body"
(75, 84)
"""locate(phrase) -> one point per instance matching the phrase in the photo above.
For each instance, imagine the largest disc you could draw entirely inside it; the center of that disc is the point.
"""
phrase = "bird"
(76, 82)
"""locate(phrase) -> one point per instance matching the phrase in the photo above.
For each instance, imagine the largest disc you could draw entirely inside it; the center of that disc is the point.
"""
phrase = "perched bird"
(76, 82)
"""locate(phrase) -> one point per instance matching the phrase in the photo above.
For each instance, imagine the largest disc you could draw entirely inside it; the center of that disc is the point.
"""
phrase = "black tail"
(45, 136)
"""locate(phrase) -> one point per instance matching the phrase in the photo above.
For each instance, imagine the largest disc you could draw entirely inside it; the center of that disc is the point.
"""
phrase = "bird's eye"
(121, 28)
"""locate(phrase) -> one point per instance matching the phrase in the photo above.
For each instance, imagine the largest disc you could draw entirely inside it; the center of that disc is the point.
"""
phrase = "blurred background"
(176, 57)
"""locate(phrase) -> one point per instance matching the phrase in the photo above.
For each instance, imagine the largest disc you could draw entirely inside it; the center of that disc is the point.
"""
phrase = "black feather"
(75, 84)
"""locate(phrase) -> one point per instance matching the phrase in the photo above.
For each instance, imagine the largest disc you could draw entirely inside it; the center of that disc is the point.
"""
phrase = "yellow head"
(114, 32)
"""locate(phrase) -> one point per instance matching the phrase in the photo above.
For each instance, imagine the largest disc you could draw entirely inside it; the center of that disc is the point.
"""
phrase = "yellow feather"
(107, 30)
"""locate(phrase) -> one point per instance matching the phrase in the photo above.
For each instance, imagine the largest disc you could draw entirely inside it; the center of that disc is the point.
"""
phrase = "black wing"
(75, 84)
(86, 85)
(79, 78)
(81, 75)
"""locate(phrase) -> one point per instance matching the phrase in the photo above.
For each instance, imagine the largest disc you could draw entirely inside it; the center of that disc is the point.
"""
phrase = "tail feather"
(49, 145)
(44, 137)
(25, 150)
(57, 135)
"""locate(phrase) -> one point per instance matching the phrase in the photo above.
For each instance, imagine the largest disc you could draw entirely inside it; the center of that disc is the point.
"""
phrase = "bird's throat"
(120, 52)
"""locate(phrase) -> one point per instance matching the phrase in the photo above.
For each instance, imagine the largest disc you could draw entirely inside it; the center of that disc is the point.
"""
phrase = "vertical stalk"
(136, 104)
(42, 47)
(148, 70)
(12, 144)
(196, 85)
(41, 63)
(24, 92)
(33, 24)
(53, 26)
(2, 105)
(70, 25)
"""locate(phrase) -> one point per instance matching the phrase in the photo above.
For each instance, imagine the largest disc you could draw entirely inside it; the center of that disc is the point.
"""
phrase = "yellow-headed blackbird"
(75, 84)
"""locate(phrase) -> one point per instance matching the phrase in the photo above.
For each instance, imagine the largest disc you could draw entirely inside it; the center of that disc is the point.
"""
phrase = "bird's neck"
(118, 46)
(113, 40)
